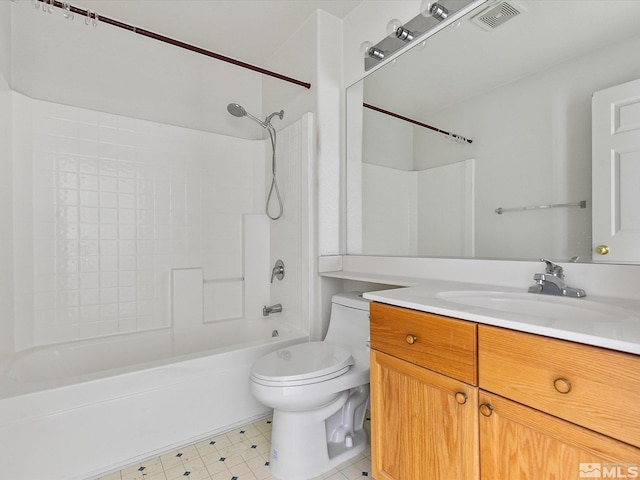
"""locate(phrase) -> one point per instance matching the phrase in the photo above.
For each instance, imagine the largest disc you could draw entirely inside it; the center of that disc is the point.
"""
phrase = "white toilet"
(319, 393)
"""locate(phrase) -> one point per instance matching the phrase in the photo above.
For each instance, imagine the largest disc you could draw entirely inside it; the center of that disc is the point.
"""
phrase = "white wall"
(115, 71)
(5, 45)
(387, 141)
(6, 213)
(549, 147)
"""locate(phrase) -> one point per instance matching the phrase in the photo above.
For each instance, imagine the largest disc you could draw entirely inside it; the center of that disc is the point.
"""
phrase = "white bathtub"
(76, 410)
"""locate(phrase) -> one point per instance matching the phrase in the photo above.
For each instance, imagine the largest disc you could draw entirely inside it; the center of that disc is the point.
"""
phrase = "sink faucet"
(552, 282)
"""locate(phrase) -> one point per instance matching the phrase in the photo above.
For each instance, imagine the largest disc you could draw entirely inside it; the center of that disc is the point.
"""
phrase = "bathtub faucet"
(266, 310)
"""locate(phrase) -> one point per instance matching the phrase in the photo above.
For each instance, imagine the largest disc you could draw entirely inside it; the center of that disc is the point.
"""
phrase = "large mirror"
(513, 179)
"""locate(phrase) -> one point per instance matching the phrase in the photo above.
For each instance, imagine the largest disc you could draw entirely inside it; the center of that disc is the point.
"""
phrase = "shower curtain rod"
(455, 137)
(171, 41)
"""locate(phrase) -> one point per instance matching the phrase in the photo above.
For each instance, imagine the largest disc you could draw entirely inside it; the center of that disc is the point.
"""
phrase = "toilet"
(319, 392)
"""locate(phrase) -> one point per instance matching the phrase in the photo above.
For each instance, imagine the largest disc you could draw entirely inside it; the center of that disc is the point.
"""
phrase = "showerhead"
(236, 110)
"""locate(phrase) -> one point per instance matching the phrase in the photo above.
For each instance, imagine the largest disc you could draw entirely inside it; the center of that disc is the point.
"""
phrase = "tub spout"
(266, 310)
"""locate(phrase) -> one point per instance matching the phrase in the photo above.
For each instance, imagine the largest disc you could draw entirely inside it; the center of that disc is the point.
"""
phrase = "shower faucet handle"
(278, 270)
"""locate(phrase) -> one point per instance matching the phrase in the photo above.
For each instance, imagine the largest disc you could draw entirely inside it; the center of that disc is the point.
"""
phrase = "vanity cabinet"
(518, 442)
(424, 406)
(589, 386)
(454, 399)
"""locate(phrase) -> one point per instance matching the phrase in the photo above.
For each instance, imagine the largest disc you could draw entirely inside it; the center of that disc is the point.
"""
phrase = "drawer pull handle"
(562, 385)
(461, 398)
(411, 339)
(486, 409)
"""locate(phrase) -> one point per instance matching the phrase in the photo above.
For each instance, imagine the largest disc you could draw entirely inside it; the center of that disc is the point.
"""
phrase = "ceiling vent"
(493, 17)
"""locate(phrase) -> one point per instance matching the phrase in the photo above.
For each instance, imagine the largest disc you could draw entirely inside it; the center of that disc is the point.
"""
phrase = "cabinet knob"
(411, 339)
(562, 385)
(486, 409)
(602, 249)
(461, 398)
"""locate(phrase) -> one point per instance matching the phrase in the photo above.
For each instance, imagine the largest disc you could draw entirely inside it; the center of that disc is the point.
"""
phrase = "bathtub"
(80, 409)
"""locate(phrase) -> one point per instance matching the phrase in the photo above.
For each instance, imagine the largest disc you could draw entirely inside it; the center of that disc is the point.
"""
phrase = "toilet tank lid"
(351, 299)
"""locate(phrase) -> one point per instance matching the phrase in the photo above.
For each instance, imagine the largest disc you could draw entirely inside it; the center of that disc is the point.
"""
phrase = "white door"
(616, 174)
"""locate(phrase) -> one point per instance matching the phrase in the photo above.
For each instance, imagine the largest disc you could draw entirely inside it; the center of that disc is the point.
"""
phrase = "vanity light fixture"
(395, 29)
(432, 17)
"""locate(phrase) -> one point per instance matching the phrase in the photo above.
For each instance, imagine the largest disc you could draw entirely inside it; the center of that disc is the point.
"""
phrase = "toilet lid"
(304, 361)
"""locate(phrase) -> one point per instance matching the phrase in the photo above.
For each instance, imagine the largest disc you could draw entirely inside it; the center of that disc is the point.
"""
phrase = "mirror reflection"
(503, 167)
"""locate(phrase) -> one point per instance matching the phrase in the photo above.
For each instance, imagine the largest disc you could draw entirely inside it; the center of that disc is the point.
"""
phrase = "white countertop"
(600, 321)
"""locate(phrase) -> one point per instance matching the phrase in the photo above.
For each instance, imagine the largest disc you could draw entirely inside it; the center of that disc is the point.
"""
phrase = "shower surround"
(105, 206)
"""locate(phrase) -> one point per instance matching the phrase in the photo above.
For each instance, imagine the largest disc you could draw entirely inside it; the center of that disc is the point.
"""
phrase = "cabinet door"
(423, 425)
(518, 443)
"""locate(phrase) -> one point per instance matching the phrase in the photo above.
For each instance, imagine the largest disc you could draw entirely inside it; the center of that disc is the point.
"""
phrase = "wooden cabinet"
(593, 387)
(545, 408)
(519, 442)
(424, 421)
(424, 424)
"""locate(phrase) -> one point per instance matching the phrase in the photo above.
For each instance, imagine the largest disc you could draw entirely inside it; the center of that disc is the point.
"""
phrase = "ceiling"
(248, 30)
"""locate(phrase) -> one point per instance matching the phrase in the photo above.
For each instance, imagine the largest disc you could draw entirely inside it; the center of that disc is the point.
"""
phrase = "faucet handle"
(553, 269)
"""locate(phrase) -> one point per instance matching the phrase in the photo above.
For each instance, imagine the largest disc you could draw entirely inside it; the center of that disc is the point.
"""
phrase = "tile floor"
(241, 454)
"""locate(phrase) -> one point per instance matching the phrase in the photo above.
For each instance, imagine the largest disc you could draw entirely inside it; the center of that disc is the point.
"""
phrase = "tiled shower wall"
(105, 206)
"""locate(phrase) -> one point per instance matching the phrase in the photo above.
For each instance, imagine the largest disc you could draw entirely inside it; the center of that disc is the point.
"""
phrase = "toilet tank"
(349, 322)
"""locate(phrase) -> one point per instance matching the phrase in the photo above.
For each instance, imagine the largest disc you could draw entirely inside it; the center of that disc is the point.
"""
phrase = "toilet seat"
(302, 364)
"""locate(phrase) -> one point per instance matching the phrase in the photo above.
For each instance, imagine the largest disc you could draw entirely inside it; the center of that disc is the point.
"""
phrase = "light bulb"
(364, 49)
(393, 25)
(425, 8)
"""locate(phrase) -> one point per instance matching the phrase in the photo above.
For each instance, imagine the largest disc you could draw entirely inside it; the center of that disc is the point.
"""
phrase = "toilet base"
(307, 444)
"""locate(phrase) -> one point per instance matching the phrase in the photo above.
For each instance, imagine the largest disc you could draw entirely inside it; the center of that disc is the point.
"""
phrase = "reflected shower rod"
(172, 41)
(458, 138)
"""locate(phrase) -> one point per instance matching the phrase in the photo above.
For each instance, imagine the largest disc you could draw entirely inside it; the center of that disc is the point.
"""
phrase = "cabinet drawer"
(589, 386)
(442, 344)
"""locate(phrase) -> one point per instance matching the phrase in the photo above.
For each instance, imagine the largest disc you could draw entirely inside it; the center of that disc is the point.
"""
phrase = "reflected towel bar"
(581, 204)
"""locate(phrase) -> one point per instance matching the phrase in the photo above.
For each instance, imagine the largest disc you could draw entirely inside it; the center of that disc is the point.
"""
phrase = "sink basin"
(553, 308)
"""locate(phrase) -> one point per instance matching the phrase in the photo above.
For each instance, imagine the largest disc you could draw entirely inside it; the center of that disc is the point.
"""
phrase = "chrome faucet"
(266, 310)
(552, 282)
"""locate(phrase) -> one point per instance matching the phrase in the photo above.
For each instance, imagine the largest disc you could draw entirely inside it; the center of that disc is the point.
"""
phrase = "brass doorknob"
(411, 339)
(602, 249)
